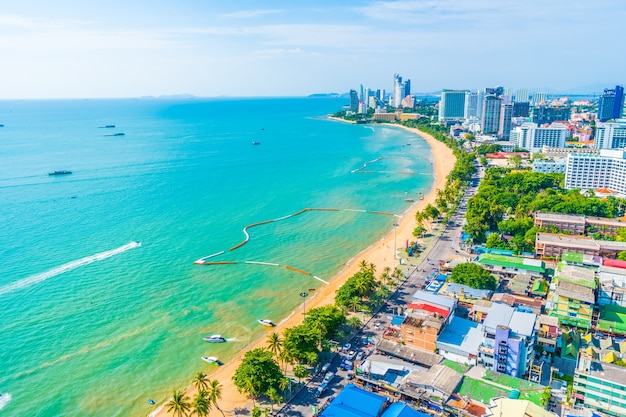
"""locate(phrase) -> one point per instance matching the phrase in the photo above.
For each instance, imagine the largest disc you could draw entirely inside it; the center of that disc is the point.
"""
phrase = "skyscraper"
(504, 126)
(611, 104)
(452, 105)
(354, 100)
(491, 114)
(473, 105)
(397, 90)
(521, 95)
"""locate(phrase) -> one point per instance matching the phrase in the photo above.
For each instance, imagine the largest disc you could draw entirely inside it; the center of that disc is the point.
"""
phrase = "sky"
(211, 48)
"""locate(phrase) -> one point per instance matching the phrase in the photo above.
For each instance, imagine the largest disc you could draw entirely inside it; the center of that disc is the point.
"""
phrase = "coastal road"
(444, 248)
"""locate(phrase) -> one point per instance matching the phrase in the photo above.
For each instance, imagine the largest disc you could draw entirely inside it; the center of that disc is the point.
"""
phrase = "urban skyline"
(70, 49)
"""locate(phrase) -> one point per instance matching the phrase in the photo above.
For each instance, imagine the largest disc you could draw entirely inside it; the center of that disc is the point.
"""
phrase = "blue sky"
(130, 48)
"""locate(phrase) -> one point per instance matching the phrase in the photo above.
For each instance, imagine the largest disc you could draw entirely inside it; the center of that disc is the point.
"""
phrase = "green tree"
(473, 275)
(495, 241)
(354, 322)
(301, 343)
(200, 381)
(200, 404)
(546, 394)
(179, 405)
(214, 393)
(274, 344)
(257, 373)
(621, 256)
(327, 319)
(300, 372)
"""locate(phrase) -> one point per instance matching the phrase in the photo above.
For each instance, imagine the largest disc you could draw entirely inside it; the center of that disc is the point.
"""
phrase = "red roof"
(614, 263)
(430, 308)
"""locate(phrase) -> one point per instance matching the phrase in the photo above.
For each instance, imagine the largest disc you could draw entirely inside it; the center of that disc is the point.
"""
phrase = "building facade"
(452, 105)
(532, 137)
(506, 115)
(600, 386)
(549, 114)
(610, 135)
(592, 172)
(611, 104)
(491, 114)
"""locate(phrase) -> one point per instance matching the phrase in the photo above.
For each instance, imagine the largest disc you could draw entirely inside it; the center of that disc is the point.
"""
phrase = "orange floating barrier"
(297, 270)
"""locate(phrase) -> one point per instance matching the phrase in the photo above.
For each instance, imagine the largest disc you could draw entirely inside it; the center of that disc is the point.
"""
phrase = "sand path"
(379, 253)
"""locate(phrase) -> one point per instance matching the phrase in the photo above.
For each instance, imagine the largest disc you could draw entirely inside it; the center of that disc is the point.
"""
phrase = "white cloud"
(249, 14)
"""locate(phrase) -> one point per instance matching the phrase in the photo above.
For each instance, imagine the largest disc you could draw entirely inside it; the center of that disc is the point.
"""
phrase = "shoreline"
(379, 253)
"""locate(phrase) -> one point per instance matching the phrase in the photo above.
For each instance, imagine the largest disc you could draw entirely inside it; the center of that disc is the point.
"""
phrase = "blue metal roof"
(354, 402)
(402, 410)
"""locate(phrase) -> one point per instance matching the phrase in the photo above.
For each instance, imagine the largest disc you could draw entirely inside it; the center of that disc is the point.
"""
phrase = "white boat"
(266, 322)
(215, 338)
(4, 399)
(211, 359)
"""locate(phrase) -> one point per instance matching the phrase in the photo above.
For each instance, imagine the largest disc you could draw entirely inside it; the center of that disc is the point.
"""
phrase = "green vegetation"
(459, 367)
(258, 374)
(506, 200)
(474, 276)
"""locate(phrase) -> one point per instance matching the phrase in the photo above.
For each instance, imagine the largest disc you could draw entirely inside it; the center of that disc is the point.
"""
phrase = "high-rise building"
(521, 109)
(533, 138)
(549, 114)
(473, 105)
(610, 135)
(398, 90)
(589, 171)
(496, 91)
(354, 100)
(452, 105)
(521, 95)
(611, 104)
(504, 127)
(407, 88)
(491, 114)
(539, 98)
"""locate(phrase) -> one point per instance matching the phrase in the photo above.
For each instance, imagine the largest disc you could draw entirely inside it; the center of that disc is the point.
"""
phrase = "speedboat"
(60, 173)
(211, 359)
(256, 143)
(265, 322)
(216, 338)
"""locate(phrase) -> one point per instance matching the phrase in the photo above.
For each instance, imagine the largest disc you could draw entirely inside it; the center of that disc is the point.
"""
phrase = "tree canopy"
(473, 275)
(257, 373)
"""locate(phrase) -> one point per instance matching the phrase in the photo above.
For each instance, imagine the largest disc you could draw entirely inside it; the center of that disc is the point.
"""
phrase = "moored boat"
(266, 322)
(215, 338)
(59, 173)
(256, 143)
(212, 360)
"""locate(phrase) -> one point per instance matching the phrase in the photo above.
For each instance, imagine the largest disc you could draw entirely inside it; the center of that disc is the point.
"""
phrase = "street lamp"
(395, 250)
(304, 295)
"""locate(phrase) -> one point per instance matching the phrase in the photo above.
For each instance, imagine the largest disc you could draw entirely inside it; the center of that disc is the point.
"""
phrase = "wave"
(4, 400)
(37, 278)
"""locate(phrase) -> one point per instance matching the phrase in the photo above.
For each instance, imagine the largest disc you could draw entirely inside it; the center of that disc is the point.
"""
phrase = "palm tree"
(274, 396)
(372, 268)
(274, 344)
(179, 404)
(200, 381)
(200, 404)
(354, 322)
(354, 303)
(214, 393)
(363, 265)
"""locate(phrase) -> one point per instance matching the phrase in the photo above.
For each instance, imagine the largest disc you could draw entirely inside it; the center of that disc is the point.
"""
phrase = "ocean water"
(93, 324)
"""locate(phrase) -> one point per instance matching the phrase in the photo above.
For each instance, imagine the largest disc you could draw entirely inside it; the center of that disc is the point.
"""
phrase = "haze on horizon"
(85, 49)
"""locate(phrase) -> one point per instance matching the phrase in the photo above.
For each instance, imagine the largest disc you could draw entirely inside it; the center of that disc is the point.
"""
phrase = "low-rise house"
(512, 265)
(516, 408)
(612, 285)
(463, 293)
(460, 340)
(408, 353)
(422, 330)
(436, 385)
(547, 332)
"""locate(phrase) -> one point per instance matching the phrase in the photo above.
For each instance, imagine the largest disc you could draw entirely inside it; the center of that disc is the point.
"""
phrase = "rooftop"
(409, 354)
(571, 218)
(399, 409)
(423, 320)
(441, 377)
(354, 402)
(575, 292)
(582, 242)
(576, 275)
(453, 288)
(516, 408)
(512, 262)
(462, 335)
(601, 370)
(431, 298)
(503, 315)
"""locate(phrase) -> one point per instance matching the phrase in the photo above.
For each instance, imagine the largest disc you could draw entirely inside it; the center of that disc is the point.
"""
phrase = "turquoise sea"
(93, 325)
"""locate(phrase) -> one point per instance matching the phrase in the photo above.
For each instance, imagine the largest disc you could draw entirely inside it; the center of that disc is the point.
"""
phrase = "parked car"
(359, 356)
(347, 365)
(325, 367)
(351, 354)
(350, 375)
(346, 347)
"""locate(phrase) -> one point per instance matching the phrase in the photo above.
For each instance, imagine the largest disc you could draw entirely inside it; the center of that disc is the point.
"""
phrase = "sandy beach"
(380, 254)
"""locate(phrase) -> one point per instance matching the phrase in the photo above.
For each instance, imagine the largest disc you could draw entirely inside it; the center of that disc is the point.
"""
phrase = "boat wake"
(37, 278)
